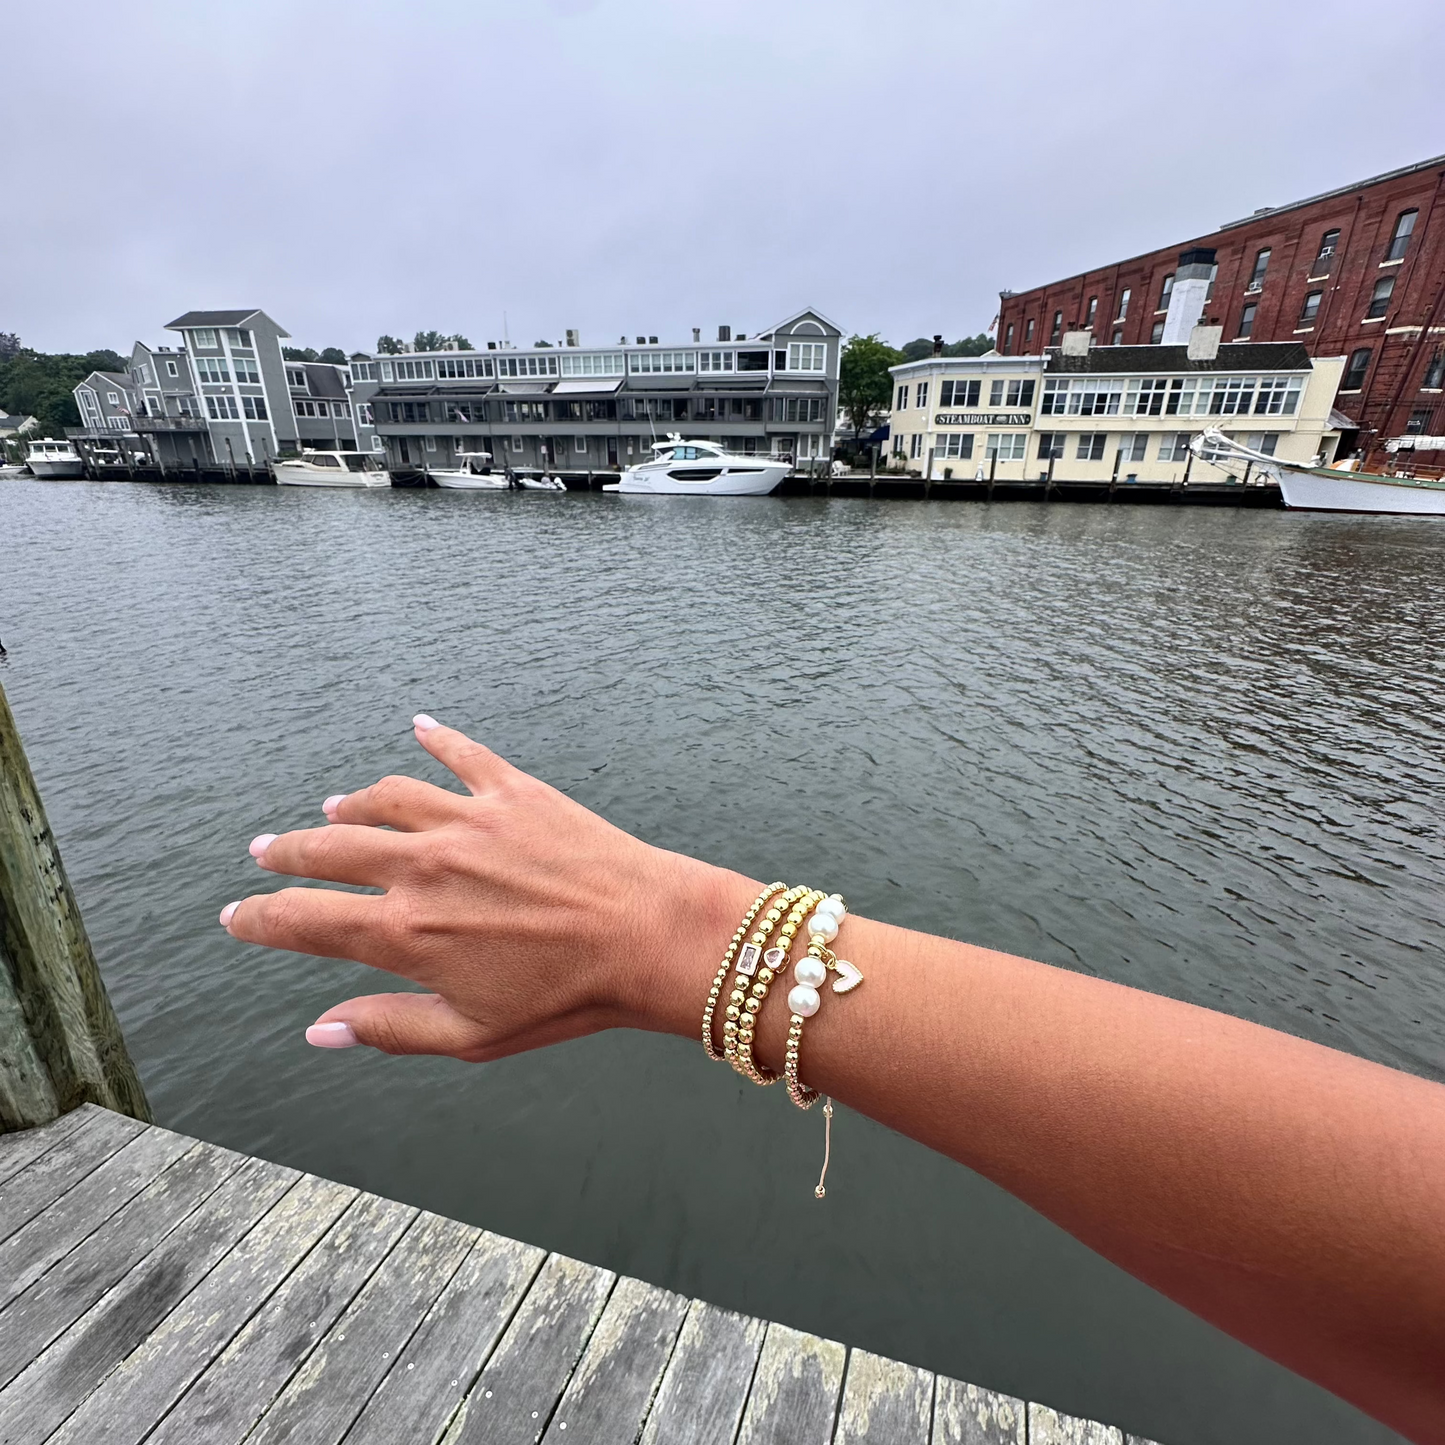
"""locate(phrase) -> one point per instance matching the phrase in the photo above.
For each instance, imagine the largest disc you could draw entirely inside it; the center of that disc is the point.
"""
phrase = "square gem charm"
(748, 959)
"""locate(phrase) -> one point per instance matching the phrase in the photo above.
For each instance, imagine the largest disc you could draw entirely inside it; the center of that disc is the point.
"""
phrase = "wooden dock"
(156, 1288)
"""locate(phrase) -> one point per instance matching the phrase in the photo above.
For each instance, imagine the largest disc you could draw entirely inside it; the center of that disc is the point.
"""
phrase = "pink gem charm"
(775, 958)
(748, 959)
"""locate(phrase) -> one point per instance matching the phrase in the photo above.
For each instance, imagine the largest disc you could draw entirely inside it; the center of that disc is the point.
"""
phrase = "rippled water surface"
(1195, 751)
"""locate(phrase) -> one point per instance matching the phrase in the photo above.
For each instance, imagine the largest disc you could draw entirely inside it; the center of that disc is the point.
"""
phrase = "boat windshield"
(361, 462)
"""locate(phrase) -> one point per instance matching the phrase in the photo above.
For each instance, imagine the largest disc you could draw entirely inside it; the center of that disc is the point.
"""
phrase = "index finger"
(478, 767)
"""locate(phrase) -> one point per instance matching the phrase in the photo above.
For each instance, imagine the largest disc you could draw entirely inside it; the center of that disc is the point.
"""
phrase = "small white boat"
(331, 469)
(530, 481)
(52, 459)
(699, 468)
(1337, 488)
(474, 475)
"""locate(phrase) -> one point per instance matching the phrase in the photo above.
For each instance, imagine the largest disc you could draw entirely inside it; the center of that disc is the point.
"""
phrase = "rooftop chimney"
(1186, 299)
(696, 334)
(724, 333)
(938, 346)
(1076, 343)
(1204, 342)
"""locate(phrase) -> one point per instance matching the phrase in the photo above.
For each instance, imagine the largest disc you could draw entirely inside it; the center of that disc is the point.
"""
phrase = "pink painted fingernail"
(227, 911)
(331, 1036)
(332, 803)
(423, 723)
(261, 843)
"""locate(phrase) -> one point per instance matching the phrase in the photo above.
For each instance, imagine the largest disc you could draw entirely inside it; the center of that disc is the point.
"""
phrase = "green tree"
(865, 388)
(9, 345)
(42, 386)
(460, 342)
(541, 343)
(298, 353)
(428, 341)
(388, 346)
(334, 354)
(922, 348)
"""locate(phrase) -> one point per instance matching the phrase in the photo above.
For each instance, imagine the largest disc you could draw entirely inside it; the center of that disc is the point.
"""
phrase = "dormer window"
(203, 338)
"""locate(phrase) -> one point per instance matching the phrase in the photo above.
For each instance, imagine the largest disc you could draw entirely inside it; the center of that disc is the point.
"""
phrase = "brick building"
(1358, 272)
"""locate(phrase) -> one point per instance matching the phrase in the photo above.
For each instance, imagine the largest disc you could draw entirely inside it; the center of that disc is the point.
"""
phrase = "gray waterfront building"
(573, 408)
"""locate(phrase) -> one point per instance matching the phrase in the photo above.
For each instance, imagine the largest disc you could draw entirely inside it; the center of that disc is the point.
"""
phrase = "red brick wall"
(1365, 216)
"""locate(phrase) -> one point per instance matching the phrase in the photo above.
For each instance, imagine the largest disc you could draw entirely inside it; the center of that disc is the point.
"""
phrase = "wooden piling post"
(60, 1041)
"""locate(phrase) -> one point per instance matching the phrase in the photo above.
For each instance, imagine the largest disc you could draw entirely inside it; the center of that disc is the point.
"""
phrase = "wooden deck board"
(155, 1289)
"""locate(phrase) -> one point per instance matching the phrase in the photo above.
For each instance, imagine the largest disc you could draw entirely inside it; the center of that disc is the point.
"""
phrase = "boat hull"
(534, 484)
(288, 474)
(752, 481)
(462, 482)
(61, 469)
(1331, 491)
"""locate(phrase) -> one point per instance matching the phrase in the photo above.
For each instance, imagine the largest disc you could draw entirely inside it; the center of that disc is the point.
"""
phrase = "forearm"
(1292, 1195)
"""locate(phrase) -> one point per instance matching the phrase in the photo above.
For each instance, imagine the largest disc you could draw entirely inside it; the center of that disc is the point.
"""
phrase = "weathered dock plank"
(134, 1396)
(884, 1403)
(967, 1415)
(155, 1289)
(239, 1385)
(705, 1387)
(44, 1395)
(39, 1314)
(613, 1384)
(319, 1405)
(794, 1399)
(513, 1398)
(432, 1375)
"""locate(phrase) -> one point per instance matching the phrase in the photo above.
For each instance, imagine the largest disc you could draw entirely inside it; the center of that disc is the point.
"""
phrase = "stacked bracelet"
(804, 998)
(775, 961)
(722, 972)
(754, 964)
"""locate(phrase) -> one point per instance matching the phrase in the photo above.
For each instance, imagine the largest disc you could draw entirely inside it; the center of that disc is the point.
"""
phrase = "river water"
(1195, 751)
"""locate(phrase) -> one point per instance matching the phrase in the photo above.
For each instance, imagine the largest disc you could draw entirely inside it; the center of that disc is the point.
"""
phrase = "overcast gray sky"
(646, 166)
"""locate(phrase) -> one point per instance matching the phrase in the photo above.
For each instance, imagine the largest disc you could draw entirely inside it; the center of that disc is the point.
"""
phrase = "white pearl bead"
(804, 1001)
(835, 906)
(825, 924)
(811, 971)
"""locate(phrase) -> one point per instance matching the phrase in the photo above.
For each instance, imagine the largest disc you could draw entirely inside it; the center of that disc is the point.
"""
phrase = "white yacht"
(1419, 492)
(52, 459)
(474, 474)
(331, 469)
(700, 468)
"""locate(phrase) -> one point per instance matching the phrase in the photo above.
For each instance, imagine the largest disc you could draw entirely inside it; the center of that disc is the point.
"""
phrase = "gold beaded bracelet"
(752, 963)
(721, 977)
(775, 961)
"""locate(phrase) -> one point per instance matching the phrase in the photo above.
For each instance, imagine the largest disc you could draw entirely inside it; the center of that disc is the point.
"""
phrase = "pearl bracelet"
(722, 972)
(775, 961)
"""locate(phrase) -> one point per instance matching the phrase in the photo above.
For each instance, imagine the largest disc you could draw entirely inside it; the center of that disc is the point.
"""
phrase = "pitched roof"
(1234, 356)
(216, 318)
(323, 379)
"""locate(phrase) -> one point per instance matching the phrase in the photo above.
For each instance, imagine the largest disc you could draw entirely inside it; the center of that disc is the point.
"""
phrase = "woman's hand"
(529, 918)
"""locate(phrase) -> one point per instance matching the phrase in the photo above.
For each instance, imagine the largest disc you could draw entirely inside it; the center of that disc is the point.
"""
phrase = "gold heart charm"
(848, 976)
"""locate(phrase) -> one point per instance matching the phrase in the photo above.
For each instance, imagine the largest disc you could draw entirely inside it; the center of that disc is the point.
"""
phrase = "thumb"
(399, 1023)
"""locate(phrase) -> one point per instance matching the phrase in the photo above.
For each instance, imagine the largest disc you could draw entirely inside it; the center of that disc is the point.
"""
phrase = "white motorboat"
(1337, 488)
(54, 460)
(703, 469)
(475, 474)
(331, 469)
(531, 481)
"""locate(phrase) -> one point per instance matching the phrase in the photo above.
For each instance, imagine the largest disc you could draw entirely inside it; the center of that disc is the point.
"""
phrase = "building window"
(295, 377)
(671, 361)
(238, 336)
(1029, 332)
(915, 447)
(1091, 448)
(1277, 396)
(431, 444)
(1051, 446)
(1325, 261)
(1311, 307)
(579, 444)
(1008, 446)
(1419, 423)
(171, 369)
(1134, 447)
(1174, 447)
(1008, 340)
(1124, 304)
(204, 338)
(1246, 319)
(1058, 328)
(802, 408)
(1156, 333)
(255, 407)
(363, 413)
(212, 368)
(1380, 298)
(807, 356)
(1092, 311)
(955, 446)
(222, 408)
(713, 361)
(1261, 265)
(112, 398)
(363, 371)
(246, 371)
(1355, 369)
(1118, 338)
(920, 394)
(459, 368)
(1017, 393)
(902, 399)
(1435, 372)
(958, 393)
(1165, 292)
(1400, 239)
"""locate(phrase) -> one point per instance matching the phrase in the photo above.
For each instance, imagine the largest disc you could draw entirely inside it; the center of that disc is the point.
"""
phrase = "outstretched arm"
(1292, 1195)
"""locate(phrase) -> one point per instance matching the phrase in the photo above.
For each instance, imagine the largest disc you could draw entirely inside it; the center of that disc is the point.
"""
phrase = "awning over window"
(597, 386)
